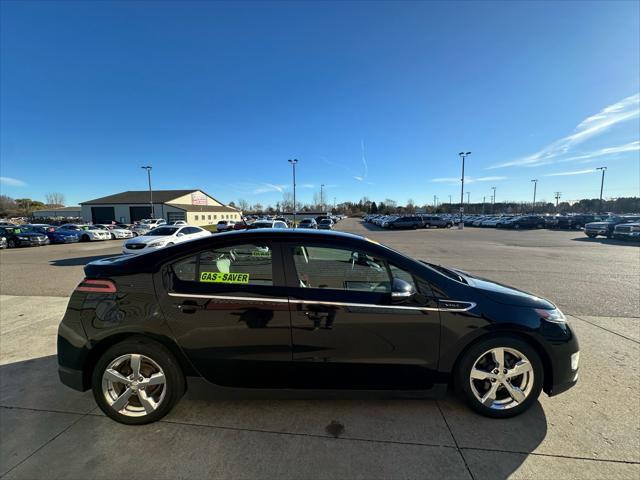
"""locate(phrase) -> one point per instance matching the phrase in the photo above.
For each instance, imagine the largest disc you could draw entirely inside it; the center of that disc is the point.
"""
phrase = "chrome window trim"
(470, 306)
(229, 297)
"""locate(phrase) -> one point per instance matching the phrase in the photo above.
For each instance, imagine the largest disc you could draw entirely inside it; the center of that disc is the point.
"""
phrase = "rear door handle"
(189, 306)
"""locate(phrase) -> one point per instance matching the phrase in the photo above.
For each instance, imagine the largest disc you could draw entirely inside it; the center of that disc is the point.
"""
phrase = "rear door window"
(247, 264)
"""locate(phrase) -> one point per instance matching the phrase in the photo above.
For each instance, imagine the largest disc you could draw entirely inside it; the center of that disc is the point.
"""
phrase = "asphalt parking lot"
(591, 431)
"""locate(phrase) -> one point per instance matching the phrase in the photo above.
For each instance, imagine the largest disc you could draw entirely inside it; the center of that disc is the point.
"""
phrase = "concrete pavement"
(591, 431)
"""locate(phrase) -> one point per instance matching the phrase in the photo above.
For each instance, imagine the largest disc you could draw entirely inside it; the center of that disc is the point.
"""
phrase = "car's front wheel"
(137, 382)
(500, 377)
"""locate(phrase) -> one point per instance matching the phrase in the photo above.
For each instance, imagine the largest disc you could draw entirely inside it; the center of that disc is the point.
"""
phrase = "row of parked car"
(410, 221)
(326, 222)
(625, 227)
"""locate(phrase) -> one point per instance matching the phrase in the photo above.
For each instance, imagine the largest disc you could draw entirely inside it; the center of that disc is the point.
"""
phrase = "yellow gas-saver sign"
(218, 277)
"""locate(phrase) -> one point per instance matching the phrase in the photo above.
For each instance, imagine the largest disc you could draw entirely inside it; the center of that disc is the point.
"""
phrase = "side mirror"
(180, 234)
(401, 290)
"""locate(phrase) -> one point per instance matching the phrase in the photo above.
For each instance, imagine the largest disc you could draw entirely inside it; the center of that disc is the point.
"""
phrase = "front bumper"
(627, 236)
(563, 360)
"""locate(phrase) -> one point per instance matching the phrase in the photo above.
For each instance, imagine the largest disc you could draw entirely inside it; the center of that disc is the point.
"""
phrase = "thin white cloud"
(576, 172)
(12, 182)
(269, 187)
(455, 180)
(254, 188)
(364, 161)
(626, 109)
(587, 157)
(306, 185)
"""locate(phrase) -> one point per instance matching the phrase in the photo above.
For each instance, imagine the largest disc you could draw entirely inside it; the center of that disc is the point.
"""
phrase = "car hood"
(503, 293)
(149, 238)
(598, 224)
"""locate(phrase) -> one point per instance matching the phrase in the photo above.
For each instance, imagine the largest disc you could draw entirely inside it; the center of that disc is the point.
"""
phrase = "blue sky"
(374, 99)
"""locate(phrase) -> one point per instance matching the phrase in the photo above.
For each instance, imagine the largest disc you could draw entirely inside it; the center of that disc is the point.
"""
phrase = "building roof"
(202, 208)
(140, 196)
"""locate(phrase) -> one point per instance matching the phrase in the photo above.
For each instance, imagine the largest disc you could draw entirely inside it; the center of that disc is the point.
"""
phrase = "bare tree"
(243, 205)
(54, 199)
(287, 201)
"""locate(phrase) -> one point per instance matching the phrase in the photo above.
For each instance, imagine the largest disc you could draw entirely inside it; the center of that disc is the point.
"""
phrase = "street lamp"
(462, 155)
(535, 185)
(493, 199)
(468, 199)
(604, 169)
(148, 169)
(293, 163)
(322, 197)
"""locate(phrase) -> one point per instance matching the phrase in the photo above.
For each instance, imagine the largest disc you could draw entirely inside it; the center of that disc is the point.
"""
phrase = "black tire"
(11, 243)
(467, 360)
(175, 381)
(516, 226)
(592, 235)
(85, 238)
(113, 236)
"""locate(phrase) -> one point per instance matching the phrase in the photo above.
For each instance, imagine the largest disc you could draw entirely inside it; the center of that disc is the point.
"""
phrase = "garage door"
(102, 214)
(138, 213)
(175, 216)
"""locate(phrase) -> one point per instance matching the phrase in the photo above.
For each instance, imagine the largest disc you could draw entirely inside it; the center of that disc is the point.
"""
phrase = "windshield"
(162, 231)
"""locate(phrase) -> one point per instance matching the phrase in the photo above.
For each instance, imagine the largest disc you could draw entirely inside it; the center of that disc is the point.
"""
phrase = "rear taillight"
(101, 286)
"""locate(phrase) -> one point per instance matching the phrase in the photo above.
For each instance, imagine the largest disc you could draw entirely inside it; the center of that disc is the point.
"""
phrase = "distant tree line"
(24, 207)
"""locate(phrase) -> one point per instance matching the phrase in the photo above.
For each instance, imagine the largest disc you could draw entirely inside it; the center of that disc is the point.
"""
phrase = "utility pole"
(535, 186)
(493, 199)
(435, 203)
(483, 200)
(468, 198)
(321, 198)
(557, 197)
(462, 155)
(293, 163)
(604, 169)
(148, 169)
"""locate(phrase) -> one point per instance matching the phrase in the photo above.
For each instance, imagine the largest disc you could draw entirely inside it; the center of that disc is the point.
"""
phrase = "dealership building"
(193, 206)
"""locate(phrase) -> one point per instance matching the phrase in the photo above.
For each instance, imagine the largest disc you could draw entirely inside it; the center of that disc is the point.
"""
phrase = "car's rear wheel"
(500, 377)
(137, 382)
(592, 235)
(11, 243)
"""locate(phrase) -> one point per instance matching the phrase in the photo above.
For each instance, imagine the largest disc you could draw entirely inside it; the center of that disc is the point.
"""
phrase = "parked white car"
(146, 225)
(116, 232)
(87, 233)
(163, 236)
(225, 225)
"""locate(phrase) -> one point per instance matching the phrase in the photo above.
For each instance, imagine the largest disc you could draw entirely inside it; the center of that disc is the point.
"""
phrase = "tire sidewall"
(175, 382)
(471, 355)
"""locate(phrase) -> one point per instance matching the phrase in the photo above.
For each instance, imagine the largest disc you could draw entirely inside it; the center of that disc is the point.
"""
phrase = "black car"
(572, 222)
(405, 222)
(526, 221)
(305, 309)
(429, 221)
(21, 237)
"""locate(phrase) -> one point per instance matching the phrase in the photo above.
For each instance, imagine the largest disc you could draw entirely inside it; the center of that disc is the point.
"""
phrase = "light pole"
(468, 199)
(604, 169)
(462, 155)
(450, 206)
(293, 163)
(322, 197)
(535, 186)
(484, 199)
(493, 199)
(148, 169)
(558, 195)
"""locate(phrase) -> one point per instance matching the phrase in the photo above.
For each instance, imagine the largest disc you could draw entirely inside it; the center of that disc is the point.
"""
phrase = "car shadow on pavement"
(36, 408)
(78, 261)
(606, 241)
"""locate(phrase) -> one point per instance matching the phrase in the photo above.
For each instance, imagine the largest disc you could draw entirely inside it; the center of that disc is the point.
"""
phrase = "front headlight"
(156, 244)
(22, 238)
(555, 315)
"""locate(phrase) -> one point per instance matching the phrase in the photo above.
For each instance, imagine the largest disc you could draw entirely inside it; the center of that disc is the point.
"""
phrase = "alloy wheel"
(501, 378)
(134, 385)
